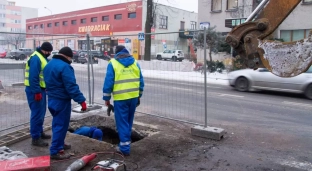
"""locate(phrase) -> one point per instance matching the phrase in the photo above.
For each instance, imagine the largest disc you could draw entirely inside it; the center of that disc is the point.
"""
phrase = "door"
(265, 79)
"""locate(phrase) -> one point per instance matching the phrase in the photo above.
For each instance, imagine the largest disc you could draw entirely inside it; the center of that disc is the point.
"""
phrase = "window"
(16, 21)
(36, 26)
(94, 19)
(2, 6)
(41, 25)
(2, 15)
(105, 18)
(163, 22)
(15, 13)
(232, 4)
(83, 21)
(49, 24)
(73, 22)
(132, 15)
(182, 25)
(193, 25)
(12, 3)
(65, 23)
(307, 1)
(2, 24)
(118, 16)
(294, 35)
(216, 5)
(57, 24)
(29, 27)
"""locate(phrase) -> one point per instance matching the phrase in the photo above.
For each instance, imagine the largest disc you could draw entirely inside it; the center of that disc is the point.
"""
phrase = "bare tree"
(213, 39)
(14, 39)
(148, 26)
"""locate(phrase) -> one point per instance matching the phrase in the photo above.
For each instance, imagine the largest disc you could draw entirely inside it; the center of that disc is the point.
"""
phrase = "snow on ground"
(190, 76)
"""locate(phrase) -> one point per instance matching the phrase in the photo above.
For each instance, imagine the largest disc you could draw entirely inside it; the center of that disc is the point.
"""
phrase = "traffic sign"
(141, 36)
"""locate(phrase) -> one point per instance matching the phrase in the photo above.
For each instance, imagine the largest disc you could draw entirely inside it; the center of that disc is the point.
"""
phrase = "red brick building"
(100, 22)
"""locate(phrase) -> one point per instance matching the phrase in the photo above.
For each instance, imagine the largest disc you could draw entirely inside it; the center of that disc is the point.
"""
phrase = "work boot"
(120, 152)
(67, 146)
(60, 156)
(39, 143)
(45, 136)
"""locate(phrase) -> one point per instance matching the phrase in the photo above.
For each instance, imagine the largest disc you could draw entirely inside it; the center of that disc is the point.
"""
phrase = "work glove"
(83, 106)
(107, 103)
(138, 104)
(38, 96)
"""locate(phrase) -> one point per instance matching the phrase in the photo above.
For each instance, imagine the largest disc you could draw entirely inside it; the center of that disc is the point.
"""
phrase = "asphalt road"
(185, 101)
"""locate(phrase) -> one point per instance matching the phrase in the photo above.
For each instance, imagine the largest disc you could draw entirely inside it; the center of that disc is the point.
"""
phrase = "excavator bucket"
(250, 41)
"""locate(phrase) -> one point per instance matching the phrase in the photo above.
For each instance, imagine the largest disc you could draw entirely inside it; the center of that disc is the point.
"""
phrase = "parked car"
(3, 54)
(21, 53)
(263, 79)
(76, 55)
(83, 56)
(52, 54)
(174, 55)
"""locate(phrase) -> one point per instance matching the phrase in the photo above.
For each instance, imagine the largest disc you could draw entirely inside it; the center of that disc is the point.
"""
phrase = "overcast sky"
(61, 6)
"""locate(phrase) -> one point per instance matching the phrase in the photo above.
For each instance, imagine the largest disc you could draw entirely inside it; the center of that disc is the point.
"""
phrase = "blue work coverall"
(91, 132)
(38, 108)
(124, 109)
(61, 88)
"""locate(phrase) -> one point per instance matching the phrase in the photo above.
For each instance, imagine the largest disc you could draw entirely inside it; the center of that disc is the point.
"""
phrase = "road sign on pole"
(141, 36)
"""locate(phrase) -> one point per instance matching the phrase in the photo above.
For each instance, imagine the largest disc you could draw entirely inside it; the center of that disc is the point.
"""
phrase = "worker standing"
(125, 81)
(36, 92)
(61, 88)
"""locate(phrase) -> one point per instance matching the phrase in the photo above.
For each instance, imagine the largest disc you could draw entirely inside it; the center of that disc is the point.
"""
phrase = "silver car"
(262, 79)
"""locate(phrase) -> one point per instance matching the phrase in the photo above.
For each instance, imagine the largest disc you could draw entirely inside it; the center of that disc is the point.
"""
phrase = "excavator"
(254, 49)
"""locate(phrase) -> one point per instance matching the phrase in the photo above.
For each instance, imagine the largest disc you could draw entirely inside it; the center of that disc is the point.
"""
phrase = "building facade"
(109, 26)
(226, 14)
(13, 19)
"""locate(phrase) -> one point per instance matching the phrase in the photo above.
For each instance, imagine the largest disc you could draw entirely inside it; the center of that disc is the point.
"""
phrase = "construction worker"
(125, 81)
(61, 88)
(36, 92)
(91, 132)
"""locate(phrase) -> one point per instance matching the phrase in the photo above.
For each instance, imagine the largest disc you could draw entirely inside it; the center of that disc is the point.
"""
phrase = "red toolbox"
(41, 163)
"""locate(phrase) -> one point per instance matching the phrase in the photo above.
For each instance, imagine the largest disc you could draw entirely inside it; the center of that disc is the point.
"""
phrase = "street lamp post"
(51, 22)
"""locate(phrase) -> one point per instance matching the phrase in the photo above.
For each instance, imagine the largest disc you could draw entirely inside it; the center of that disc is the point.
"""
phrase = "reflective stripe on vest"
(127, 81)
(43, 62)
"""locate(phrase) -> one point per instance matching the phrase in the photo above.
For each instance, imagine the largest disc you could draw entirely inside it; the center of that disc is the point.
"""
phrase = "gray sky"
(60, 6)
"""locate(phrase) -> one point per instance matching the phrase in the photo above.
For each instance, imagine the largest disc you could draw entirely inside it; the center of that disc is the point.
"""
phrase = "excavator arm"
(250, 41)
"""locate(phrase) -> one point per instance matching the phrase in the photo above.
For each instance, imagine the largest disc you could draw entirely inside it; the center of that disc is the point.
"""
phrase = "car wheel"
(159, 57)
(174, 58)
(308, 92)
(22, 57)
(16, 58)
(242, 84)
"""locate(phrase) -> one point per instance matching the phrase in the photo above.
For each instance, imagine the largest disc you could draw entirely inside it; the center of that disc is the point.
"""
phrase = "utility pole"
(51, 22)
(148, 26)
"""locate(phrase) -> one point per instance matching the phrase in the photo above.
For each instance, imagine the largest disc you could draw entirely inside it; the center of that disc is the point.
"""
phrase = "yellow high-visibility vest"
(127, 81)
(43, 62)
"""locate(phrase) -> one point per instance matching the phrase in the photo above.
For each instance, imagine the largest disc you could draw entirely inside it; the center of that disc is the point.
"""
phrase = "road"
(185, 101)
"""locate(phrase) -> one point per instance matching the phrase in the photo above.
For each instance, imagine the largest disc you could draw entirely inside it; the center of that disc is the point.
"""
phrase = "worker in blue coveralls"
(36, 92)
(61, 88)
(91, 132)
(125, 81)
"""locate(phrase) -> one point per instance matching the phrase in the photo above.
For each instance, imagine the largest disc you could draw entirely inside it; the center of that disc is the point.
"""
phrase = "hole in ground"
(110, 135)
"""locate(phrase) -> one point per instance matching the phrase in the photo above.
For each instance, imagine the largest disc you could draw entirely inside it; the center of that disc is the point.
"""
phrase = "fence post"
(205, 75)
(89, 79)
(34, 44)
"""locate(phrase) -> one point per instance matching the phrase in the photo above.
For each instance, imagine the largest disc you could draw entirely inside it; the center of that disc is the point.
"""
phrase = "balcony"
(186, 33)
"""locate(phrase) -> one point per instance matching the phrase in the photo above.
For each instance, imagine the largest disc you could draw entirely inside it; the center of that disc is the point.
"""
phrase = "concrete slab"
(18, 84)
(208, 132)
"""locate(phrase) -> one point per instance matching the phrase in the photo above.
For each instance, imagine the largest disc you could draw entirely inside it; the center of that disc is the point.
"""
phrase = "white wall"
(175, 16)
(28, 13)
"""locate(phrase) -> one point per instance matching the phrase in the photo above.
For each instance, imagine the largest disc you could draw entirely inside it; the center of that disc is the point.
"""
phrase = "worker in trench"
(61, 89)
(36, 92)
(91, 132)
(125, 82)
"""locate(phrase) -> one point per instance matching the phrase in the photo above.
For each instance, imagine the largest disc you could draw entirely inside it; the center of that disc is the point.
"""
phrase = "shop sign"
(94, 28)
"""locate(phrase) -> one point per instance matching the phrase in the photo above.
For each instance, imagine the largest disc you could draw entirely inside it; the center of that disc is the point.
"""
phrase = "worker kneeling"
(124, 79)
